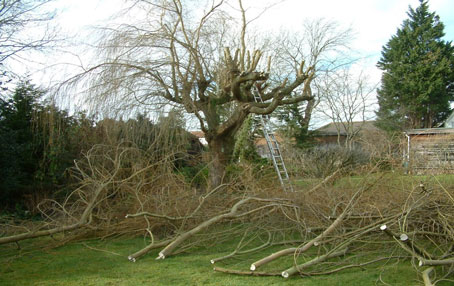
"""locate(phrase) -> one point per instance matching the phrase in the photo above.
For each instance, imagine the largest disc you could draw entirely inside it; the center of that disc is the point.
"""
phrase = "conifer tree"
(418, 74)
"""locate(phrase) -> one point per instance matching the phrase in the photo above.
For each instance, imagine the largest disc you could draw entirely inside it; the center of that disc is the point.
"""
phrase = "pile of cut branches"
(321, 230)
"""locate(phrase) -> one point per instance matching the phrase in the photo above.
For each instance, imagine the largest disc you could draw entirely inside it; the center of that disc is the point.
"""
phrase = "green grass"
(76, 264)
(395, 180)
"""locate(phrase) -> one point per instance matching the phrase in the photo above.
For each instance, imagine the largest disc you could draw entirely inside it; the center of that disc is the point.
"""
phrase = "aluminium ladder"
(273, 146)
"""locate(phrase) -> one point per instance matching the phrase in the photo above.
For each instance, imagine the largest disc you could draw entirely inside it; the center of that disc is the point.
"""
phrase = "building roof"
(338, 128)
(427, 131)
(198, 134)
(261, 141)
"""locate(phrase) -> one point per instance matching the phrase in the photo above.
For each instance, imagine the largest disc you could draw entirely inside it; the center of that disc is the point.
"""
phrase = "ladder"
(273, 146)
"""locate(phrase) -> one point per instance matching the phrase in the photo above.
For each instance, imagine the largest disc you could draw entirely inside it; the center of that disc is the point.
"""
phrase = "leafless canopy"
(183, 56)
(15, 17)
(199, 56)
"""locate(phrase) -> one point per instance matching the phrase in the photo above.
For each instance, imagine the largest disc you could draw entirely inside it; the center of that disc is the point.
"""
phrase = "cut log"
(39, 233)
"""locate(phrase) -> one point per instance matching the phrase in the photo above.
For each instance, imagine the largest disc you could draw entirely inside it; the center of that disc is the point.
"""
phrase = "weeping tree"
(198, 59)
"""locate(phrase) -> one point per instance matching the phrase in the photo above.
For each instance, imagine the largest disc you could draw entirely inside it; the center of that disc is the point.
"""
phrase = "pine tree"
(418, 74)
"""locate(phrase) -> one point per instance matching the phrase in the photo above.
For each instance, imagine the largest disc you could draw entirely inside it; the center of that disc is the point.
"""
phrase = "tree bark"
(221, 150)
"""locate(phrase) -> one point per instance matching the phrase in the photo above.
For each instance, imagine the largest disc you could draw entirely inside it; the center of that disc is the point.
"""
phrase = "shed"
(430, 150)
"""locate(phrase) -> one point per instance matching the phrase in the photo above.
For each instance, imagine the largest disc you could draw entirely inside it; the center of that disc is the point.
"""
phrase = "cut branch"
(426, 278)
(407, 244)
(245, 273)
(233, 213)
(272, 257)
(133, 257)
(297, 268)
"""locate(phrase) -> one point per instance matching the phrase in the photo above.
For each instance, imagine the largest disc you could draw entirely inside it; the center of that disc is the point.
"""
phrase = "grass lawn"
(97, 263)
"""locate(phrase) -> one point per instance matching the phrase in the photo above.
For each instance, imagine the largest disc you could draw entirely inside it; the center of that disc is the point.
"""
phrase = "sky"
(373, 22)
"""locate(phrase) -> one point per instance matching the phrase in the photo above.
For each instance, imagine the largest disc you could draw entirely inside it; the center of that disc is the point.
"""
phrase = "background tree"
(418, 74)
(18, 155)
(323, 44)
(344, 100)
(38, 142)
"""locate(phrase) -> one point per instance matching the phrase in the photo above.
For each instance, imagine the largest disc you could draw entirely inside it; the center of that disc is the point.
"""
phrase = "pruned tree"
(202, 61)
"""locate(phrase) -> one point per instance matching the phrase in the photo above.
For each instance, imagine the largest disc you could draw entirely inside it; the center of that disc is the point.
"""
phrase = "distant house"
(262, 148)
(260, 143)
(430, 150)
(201, 136)
(340, 132)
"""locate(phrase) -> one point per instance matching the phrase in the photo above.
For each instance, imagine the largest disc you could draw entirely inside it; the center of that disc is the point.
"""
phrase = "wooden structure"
(430, 150)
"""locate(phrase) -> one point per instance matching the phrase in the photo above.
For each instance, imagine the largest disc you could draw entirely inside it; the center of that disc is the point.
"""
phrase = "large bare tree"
(198, 57)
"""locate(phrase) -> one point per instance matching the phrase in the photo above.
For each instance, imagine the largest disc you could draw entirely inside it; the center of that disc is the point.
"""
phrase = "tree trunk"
(221, 150)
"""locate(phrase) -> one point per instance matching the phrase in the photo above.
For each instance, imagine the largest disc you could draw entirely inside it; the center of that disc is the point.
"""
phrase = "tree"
(17, 157)
(200, 62)
(17, 15)
(322, 43)
(418, 73)
(345, 98)
(38, 142)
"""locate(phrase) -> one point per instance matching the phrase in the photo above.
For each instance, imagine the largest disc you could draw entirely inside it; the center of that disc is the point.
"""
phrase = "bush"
(321, 161)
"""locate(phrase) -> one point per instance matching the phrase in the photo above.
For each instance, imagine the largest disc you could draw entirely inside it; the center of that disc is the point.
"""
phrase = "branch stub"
(403, 237)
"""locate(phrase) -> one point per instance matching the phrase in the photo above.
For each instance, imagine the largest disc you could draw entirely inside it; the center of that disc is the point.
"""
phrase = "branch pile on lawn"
(113, 180)
(417, 222)
(126, 191)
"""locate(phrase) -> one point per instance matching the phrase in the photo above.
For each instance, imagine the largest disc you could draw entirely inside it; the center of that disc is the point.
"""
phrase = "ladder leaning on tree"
(273, 146)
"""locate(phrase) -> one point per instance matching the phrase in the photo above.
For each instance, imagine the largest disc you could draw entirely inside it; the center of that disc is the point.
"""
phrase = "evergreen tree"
(418, 74)
(38, 142)
(294, 120)
(18, 160)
